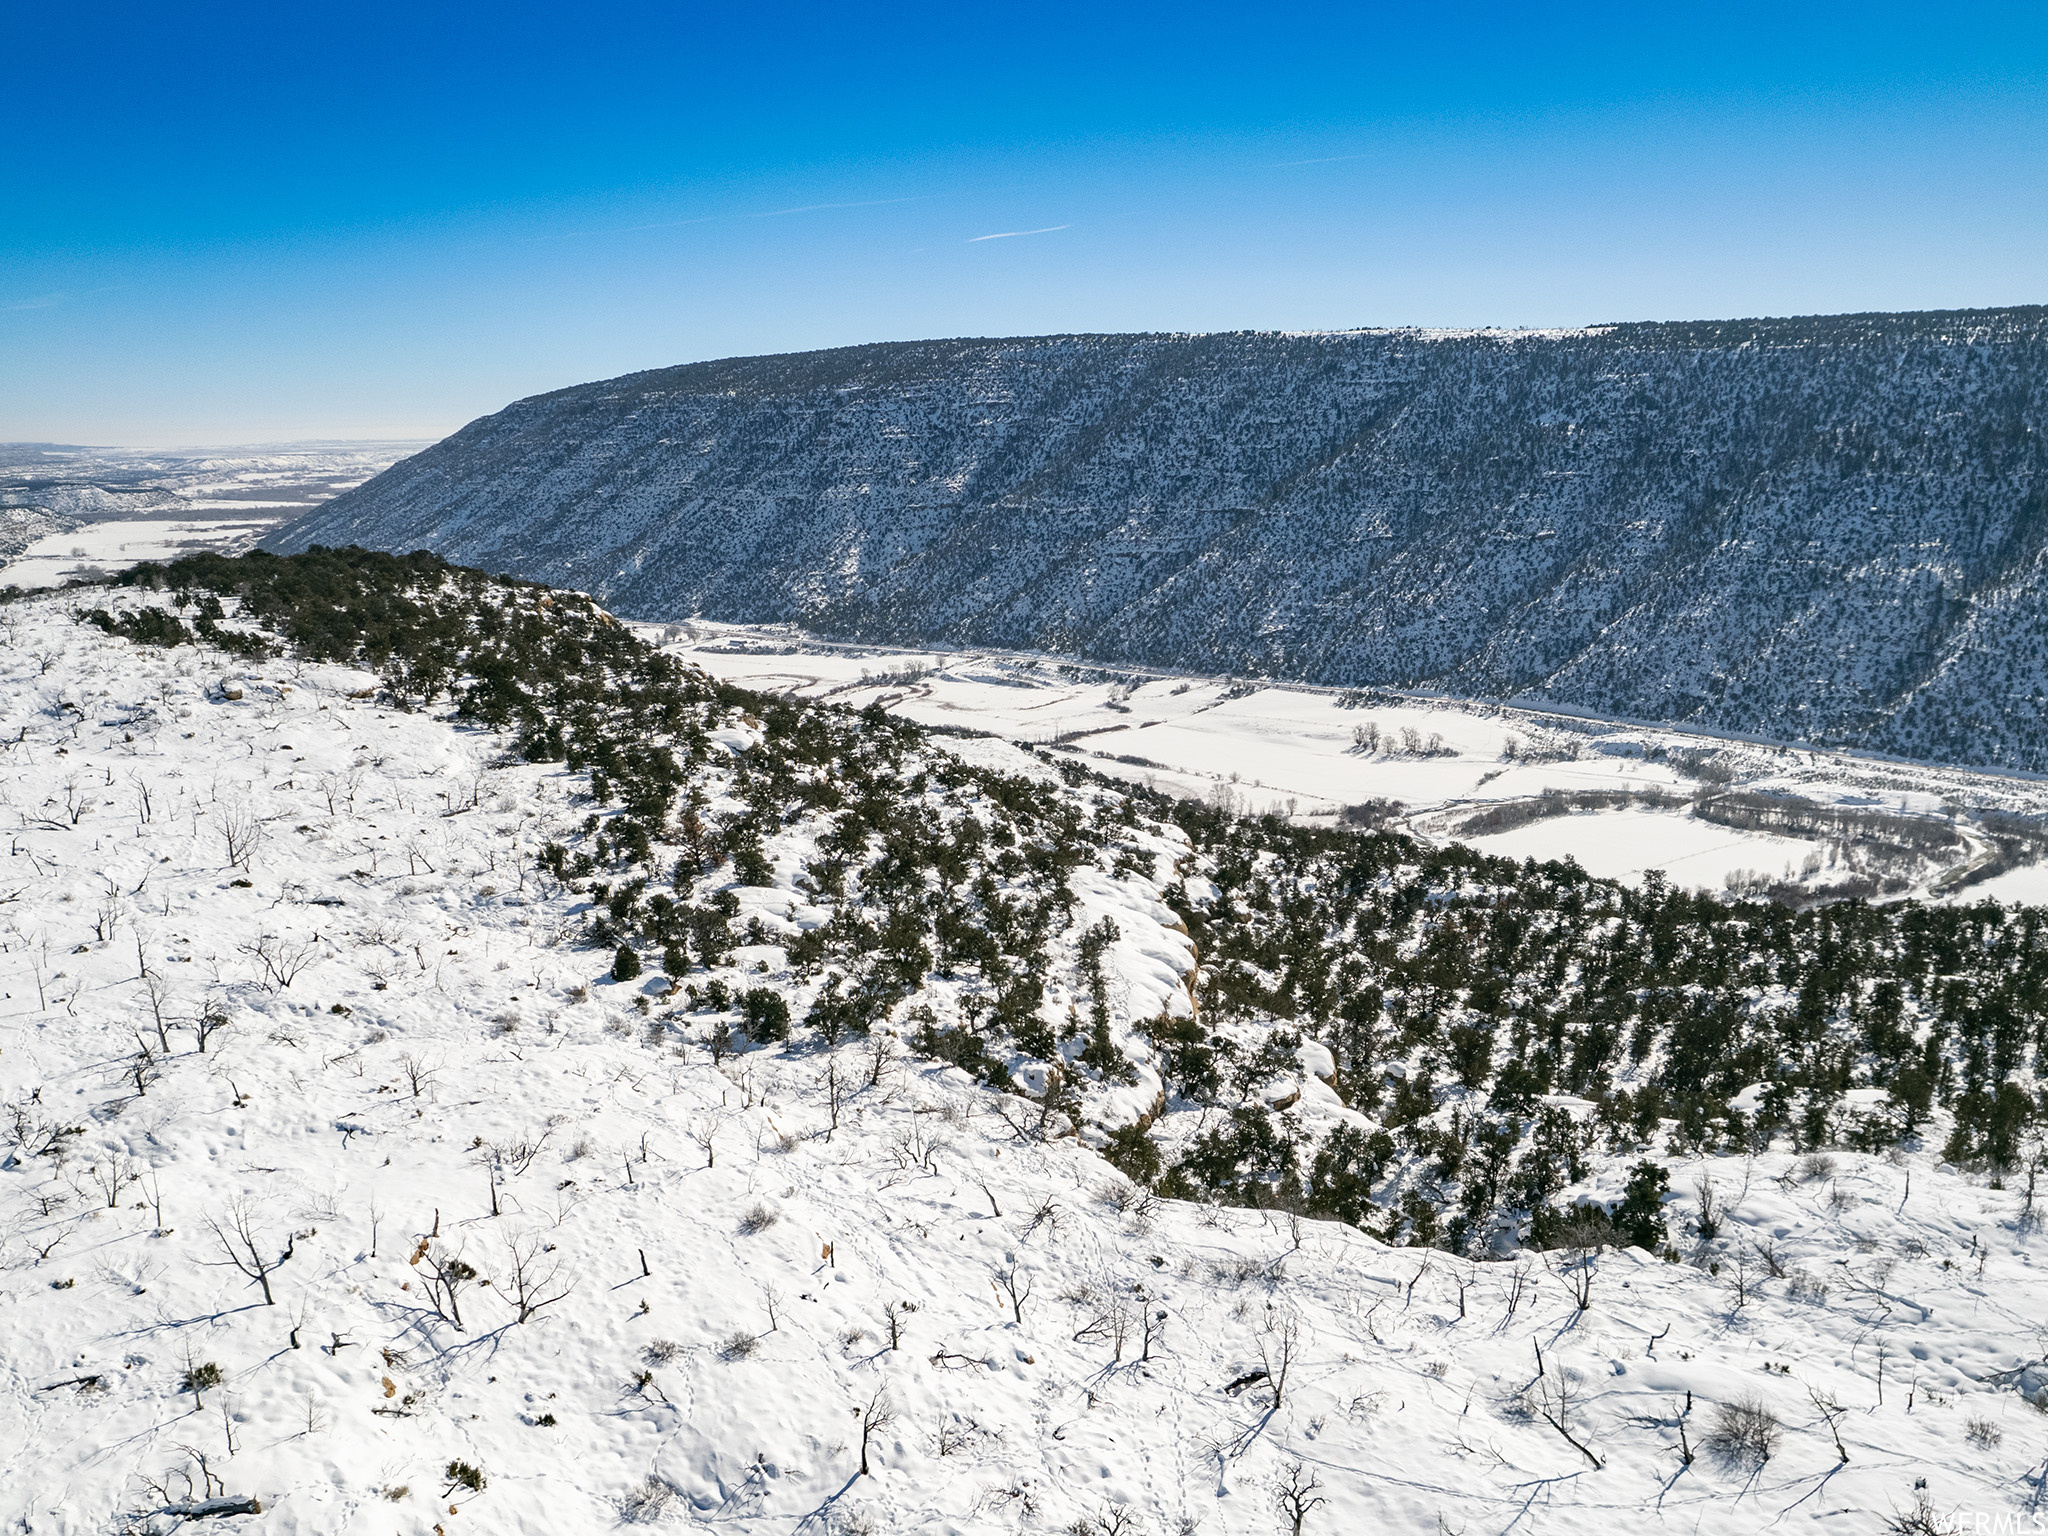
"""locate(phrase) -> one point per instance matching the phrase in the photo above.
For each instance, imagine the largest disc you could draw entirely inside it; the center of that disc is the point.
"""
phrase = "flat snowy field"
(119, 506)
(87, 551)
(407, 1065)
(1295, 750)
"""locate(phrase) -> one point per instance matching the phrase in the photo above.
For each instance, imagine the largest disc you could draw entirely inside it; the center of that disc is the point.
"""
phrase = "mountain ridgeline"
(1831, 530)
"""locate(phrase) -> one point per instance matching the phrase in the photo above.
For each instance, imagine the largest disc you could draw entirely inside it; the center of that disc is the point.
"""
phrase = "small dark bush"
(765, 1014)
(461, 1474)
(961, 1048)
(1371, 814)
(1133, 1153)
(1640, 1216)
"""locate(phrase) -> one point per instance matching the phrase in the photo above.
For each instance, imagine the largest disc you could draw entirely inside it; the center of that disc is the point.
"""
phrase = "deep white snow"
(410, 1038)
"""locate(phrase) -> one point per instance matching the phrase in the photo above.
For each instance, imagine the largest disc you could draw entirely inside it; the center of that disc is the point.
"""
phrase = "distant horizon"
(428, 437)
(274, 444)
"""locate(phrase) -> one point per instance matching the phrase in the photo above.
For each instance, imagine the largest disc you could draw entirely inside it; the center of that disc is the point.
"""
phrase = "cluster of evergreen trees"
(1442, 979)
(1459, 995)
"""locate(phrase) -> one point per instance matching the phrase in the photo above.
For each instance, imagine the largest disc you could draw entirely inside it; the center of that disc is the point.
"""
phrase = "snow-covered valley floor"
(700, 1288)
(86, 552)
(1297, 750)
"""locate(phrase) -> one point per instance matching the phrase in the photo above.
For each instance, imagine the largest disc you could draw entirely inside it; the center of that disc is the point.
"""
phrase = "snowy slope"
(412, 1044)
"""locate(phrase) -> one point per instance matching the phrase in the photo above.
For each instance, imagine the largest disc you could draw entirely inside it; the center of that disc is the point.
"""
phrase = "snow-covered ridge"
(408, 1057)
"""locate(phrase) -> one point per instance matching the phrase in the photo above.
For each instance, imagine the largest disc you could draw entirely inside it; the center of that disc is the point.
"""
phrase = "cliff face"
(1826, 529)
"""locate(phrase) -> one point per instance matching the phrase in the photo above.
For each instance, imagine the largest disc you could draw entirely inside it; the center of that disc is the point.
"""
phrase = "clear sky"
(232, 223)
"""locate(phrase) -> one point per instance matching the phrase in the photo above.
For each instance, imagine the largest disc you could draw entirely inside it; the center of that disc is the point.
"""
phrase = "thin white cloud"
(44, 302)
(1324, 160)
(623, 229)
(634, 229)
(715, 218)
(879, 202)
(1015, 234)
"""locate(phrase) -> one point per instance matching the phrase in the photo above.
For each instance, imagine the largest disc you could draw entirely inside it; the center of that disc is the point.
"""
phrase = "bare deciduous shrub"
(1983, 1434)
(893, 1315)
(1744, 1430)
(418, 1071)
(1119, 1195)
(758, 1219)
(242, 831)
(1045, 1214)
(1115, 1519)
(1708, 1221)
(1814, 1167)
(647, 1503)
(443, 1277)
(1279, 1347)
(738, 1345)
(533, 1277)
(245, 1247)
(1243, 1268)
(1298, 1493)
(1014, 1284)
(280, 959)
(662, 1352)
(1923, 1519)
(875, 1417)
(956, 1433)
(1801, 1286)
(1129, 1198)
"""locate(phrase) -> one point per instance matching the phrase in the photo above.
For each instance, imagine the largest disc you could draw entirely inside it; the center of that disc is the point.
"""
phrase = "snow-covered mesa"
(1815, 529)
(705, 1291)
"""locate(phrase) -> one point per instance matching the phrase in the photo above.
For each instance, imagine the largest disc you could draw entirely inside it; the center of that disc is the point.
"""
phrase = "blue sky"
(230, 223)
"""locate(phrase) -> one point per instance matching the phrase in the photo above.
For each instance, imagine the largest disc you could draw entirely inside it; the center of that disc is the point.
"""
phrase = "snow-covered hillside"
(344, 1177)
(1826, 530)
(22, 527)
